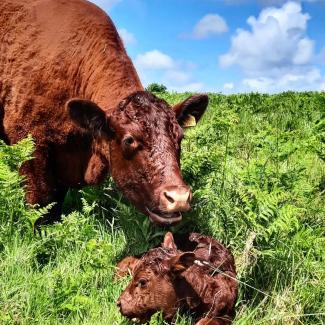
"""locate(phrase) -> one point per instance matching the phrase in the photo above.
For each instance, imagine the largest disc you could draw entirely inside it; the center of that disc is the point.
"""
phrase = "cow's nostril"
(118, 303)
(169, 198)
(190, 196)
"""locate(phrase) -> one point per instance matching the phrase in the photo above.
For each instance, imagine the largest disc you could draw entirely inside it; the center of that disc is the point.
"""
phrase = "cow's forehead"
(149, 119)
(145, 106)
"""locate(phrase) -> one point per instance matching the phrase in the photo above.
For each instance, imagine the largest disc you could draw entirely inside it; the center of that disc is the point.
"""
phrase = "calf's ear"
(181, 262)
(89, 116)
(169, 241)
(189, 112)
(126, 266)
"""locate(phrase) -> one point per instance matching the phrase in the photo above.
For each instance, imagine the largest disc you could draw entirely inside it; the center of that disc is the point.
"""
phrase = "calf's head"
(153, 287)
(140, 142)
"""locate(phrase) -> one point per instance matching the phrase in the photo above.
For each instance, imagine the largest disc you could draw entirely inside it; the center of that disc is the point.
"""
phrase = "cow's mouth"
(164, 218)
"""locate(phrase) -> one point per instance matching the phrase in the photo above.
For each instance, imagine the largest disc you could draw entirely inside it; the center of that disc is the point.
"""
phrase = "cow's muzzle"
(172, 201)
(175, 199)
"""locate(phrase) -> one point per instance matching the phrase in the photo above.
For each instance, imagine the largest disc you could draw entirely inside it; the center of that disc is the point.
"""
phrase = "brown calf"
(166, 279)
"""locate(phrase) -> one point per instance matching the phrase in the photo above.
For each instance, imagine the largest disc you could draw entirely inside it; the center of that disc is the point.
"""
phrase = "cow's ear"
(181, 262)
(189, 112)
(89, 116)
(169, 241)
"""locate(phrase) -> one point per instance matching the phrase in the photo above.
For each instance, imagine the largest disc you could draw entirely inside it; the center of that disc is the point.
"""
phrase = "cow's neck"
(108, 74)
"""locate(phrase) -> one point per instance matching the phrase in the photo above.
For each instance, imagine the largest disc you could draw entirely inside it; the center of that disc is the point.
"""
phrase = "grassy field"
(256, 166)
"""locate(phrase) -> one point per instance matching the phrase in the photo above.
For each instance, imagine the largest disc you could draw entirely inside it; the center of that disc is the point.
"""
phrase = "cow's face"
(141, 141)
(153, 287)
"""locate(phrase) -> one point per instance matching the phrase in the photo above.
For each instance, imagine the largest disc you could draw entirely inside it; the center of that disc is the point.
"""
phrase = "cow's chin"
(164, 218)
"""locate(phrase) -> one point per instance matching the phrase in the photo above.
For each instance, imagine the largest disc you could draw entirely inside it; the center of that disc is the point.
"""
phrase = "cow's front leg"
(41, 187)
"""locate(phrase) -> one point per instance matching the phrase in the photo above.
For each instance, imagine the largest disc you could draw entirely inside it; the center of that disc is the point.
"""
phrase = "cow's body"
(50, 52)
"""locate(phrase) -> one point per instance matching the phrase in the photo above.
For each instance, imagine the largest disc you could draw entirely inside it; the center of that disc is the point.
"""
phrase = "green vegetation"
(156, 88)
(256, 166)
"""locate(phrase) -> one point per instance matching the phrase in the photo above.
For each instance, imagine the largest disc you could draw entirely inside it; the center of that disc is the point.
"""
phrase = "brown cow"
(66, 79)
(166, 279)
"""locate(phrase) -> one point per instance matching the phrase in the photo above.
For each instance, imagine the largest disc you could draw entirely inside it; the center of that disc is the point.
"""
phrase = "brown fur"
(52, 51)
(166, 279)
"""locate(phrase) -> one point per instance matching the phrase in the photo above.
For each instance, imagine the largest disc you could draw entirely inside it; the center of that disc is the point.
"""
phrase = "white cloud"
(275, 54)
(275, 41)
(105, 4)
(310, 80)
(156, 66)
(177, 76)
(305, 51)
(210, 24)
(154, 60)
(190, 87)
(228, 86)
(127, 37)
(268, 2)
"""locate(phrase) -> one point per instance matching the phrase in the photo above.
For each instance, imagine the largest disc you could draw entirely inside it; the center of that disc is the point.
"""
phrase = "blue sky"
(224, 46)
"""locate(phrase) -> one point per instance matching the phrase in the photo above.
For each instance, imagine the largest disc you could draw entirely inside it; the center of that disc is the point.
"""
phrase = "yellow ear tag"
(189, 122)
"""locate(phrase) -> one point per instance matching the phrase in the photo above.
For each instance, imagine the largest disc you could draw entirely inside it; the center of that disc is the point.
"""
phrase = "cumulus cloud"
(276, 40)
(301, 80)
(228, 86)
(154, 60)
(268, 2)
(276, 53)
(177, 76)
(210, 24)
(190, 87)
(127, 37)
(105, 4)
(156, 66)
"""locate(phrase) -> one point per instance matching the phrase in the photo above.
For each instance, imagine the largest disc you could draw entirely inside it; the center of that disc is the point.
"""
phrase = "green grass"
(256, 166)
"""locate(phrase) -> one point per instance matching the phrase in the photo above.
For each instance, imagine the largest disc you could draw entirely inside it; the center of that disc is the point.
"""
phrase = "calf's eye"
(128, 140)
(142, 283)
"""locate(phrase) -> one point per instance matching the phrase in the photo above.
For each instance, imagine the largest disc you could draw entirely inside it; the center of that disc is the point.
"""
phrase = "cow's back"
(53, 50)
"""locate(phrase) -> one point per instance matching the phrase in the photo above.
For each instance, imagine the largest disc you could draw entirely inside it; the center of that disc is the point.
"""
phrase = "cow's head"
(155, 282)
(140, 140)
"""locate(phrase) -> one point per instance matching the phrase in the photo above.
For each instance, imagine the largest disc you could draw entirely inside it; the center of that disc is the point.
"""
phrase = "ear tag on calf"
(190, 121)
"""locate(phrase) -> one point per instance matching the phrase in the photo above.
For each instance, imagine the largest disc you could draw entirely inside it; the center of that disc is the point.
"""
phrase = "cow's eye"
(128, 140)
(142, 283)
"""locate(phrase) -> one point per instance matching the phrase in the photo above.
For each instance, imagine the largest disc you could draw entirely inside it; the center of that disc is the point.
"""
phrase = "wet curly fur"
(204, 282)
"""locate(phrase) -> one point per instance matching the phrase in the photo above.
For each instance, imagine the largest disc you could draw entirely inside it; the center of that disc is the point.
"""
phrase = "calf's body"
(166, 279)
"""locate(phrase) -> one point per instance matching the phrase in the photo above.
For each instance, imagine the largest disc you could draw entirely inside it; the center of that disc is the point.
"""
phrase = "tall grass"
(256, 166)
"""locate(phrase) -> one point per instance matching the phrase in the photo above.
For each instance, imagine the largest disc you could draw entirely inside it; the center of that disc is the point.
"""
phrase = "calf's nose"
(118, 303)
(176, 198)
